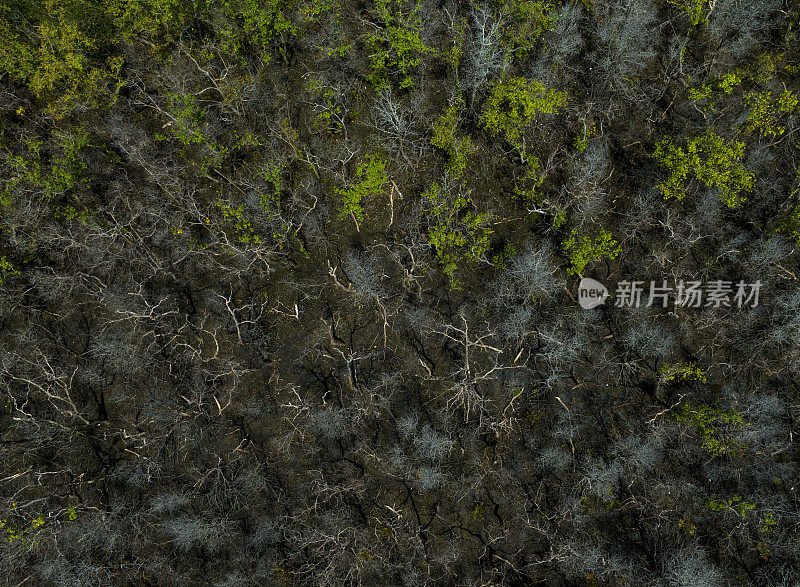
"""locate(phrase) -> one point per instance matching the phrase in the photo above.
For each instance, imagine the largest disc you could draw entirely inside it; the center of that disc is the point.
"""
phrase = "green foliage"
(710, 91)
(687, 526)
(582, 250)
(18, 51)
(370, 180)
(28, 532)
(766, 111)
(265, 25)
(526, 187)
(244, 29)
(445, 137)
(582, 140)
(246, 139)
(166, 314)
(594, 503)
(67, 169)
(272, 173)
(84, 216)
(678, 372)
(187, 119)
(329, 114)
(159, 22)
(395, 47)
(768, 523)
(694, 9)
(790, 225)
(457, 232)
(757, 72)
(265, 21)
(713, 426)
(454, 50)
(764, 67)
(712, 160)
(241, 224)
(728, 81)
(504, 257)
(526, 21)
(6, 270)
(735, 504)
(188, 126)
(270, 202)
(559, 218)
(51, 174)
(27, 537)
(514, 103)
(58, 48)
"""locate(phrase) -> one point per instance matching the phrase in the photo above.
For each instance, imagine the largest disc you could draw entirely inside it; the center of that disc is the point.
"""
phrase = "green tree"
(513, 105)
(370, 180)
(583, 249)
(709, 158)
(766, 111)
(445, 137)
(713, 426)
(526, 21)
(62, 50)
(457, 232)
(696, 10)
(395, 46)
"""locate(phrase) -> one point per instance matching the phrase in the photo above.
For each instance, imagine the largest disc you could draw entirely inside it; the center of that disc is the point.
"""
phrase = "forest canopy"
(291, 292)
